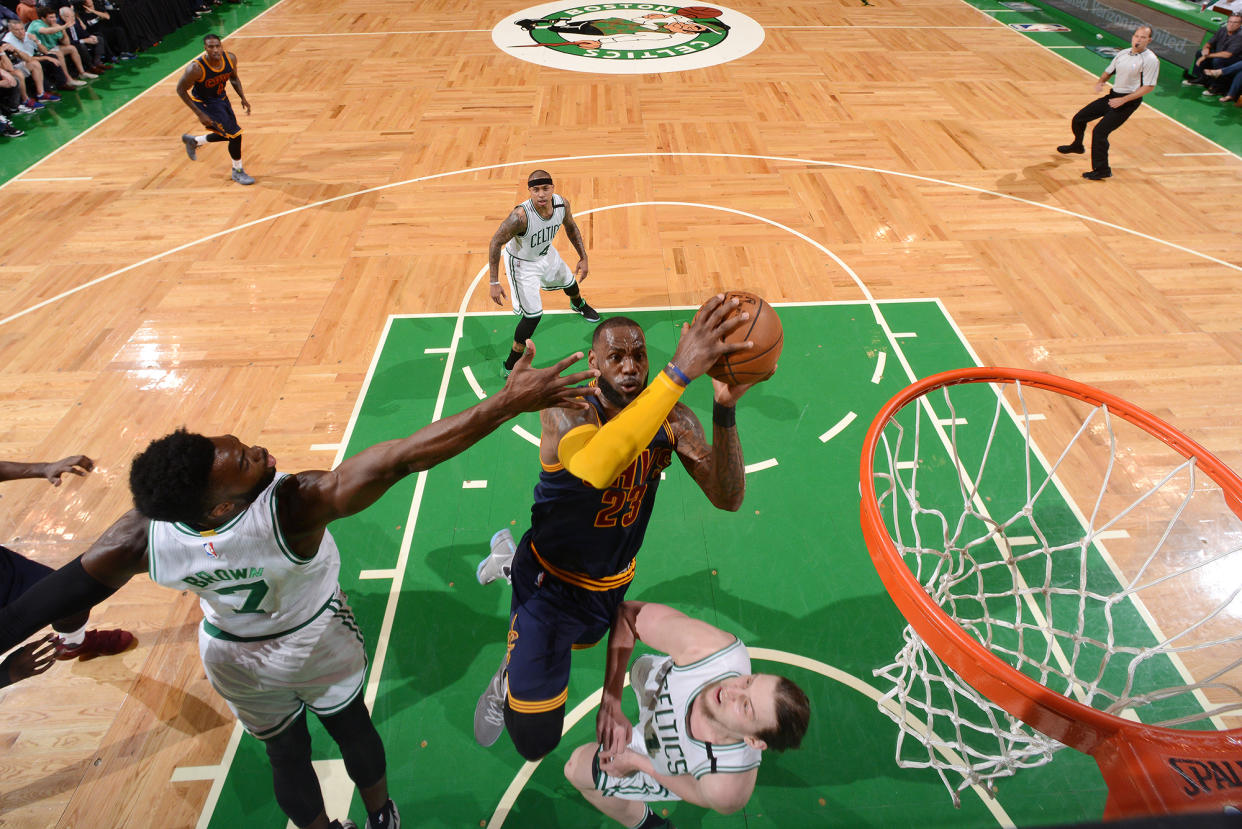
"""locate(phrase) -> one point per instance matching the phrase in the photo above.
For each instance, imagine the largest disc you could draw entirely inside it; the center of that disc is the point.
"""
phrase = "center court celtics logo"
(627, 38)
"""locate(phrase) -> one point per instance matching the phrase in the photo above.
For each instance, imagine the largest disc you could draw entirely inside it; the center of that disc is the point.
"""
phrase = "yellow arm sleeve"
(598, 455)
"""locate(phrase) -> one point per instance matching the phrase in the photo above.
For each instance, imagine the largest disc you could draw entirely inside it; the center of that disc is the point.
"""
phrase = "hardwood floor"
(913, 139)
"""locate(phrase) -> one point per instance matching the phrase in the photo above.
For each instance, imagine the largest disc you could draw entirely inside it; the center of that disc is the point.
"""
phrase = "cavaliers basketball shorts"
(267, 682)
(220, 111)
(549, 619)
(528, 277)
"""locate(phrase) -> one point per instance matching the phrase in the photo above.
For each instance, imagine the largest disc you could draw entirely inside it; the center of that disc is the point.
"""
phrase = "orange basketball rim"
(1149, 770)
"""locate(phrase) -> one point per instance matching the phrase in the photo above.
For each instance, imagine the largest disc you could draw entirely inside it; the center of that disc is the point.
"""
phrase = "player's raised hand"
(612, 727)
(702, 340)
(74, 465)
(531, 389)
(727, 395)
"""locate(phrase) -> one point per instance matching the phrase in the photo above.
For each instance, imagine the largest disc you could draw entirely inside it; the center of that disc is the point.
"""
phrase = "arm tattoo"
(574, 234)
(728, 464)
(554, 424)
(718, 469)
(513, 225)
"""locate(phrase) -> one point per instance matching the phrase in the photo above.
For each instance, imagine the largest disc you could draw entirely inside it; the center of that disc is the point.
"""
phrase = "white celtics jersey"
(664, 721)
(540, 232)
(250, 583)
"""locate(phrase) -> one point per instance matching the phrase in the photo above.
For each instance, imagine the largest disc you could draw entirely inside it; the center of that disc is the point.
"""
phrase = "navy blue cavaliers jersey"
(211, 84)
(597, 532)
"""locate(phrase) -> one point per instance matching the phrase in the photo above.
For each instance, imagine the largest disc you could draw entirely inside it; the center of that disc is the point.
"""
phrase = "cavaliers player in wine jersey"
(202, 89)
(600, 472)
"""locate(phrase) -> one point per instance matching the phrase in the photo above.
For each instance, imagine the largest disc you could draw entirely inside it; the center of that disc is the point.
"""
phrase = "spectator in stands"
(27, 10)
(1224, 48)
(91, 49)
(29, 75)
(22, 47)
(1232, 71)
(102, 21)
(13, 94)
(10, 99)
(50, 32)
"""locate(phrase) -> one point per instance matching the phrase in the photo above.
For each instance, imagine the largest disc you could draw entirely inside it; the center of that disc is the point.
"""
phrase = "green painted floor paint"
(57, 123)
(789, 572)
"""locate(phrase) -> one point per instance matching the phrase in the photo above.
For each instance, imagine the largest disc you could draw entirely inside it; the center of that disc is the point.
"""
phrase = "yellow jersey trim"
(541, 706)
(584, 581)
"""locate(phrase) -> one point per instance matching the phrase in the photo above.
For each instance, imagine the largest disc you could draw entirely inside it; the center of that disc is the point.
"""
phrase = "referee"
(1137, 69)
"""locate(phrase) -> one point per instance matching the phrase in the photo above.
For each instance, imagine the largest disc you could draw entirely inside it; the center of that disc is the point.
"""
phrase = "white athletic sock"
(237, 165)
(72, 640)
(200, 140)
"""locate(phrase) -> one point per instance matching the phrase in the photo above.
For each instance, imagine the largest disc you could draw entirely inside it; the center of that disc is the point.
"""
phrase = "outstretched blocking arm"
(513, 225)
(316, 498)
(74, 464)
(116, 557)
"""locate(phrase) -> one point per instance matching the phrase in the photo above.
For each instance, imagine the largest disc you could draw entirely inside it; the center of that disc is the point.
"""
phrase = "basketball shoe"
(489, 713)
(191, 146)
(97, 643)
(588, 313)
(242, 177)
(499, 562)
(389, 818)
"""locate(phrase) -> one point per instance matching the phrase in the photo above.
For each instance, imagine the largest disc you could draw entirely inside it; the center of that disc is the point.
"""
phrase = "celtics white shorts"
(267, 682)
(528, 277)
(638, 786)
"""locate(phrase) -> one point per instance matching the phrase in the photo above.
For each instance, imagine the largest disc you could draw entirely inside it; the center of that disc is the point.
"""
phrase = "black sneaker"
(1098, 175)
(588, 313)
(389, 817)
(11, 131)
(1071, 148)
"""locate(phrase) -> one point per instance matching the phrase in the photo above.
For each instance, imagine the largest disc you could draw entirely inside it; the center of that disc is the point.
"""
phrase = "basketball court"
(883, 174)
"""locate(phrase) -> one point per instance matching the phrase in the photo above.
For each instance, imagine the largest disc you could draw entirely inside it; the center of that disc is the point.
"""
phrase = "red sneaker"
(97, 643)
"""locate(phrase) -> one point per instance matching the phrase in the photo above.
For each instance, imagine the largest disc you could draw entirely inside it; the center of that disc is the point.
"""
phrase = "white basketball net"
(989, 527)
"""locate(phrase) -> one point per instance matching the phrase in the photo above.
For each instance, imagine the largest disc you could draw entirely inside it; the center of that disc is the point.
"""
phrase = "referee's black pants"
(1110, 119)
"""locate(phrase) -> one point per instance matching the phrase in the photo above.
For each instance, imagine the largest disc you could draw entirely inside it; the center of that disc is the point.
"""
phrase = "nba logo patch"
(209, 549)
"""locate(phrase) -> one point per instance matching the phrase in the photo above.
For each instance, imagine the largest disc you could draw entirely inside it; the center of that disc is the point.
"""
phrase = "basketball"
(699, 11)
(763, 330)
